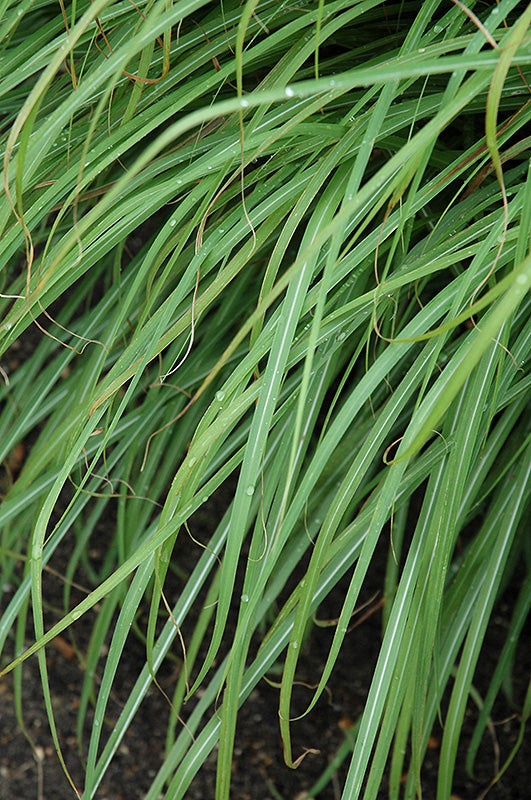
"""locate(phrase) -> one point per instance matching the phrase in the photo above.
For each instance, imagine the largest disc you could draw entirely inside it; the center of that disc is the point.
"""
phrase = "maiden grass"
(287, 243)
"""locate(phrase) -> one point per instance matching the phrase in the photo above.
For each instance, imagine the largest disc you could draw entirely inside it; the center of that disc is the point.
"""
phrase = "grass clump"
(286, 244)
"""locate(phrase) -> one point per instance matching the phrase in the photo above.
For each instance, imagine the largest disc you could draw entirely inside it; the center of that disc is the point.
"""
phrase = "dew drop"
(249, 491)
(220, 396)
(172, 222)
(422, 49)
(437, 29)
(245, 598)
(288, 91)
(295, 645)
(192, 461)
(244, 103)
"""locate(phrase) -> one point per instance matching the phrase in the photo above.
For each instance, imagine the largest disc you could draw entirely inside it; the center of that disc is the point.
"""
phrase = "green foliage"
(287, 242)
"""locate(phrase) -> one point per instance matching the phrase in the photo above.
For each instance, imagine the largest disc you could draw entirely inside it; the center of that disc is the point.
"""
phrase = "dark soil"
(259, 772)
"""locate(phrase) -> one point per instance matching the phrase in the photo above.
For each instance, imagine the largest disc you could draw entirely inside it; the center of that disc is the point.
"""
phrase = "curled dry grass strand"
(302, 264)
